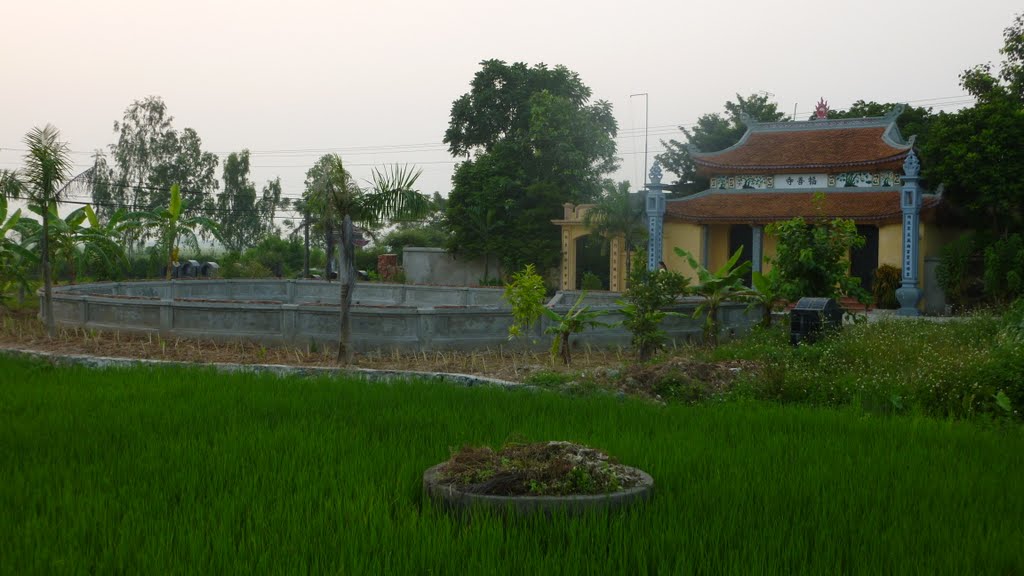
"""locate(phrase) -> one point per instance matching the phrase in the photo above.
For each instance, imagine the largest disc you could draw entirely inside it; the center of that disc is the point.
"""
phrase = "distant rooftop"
(810, 146)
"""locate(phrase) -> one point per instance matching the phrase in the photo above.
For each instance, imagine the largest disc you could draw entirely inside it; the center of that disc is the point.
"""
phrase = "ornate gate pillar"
(910, 200)
(655, 217)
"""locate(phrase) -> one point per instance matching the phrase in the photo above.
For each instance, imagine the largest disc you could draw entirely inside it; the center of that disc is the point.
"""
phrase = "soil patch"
(538, 469)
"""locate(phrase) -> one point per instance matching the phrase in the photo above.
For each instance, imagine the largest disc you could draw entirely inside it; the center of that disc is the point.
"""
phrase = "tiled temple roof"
(760, 207)
(810, 146)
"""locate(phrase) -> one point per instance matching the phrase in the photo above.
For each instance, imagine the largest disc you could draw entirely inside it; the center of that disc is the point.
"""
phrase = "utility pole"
(647, 107)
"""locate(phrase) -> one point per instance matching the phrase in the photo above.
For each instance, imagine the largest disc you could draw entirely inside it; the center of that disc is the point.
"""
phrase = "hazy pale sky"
(374, 81)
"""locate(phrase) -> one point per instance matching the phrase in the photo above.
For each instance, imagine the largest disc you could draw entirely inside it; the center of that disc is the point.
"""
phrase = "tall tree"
(192, 169)
(392, 196)
(150, 155)
(47, 167)
(711, 133)
(243, 219)
(976, 153)
(532, 141)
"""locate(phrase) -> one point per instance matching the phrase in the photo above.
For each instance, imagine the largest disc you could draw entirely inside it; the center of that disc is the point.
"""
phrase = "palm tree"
(47, 165)
(617, 213)
(391, 196)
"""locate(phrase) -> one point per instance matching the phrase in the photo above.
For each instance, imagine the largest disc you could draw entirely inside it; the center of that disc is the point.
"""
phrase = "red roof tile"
(766, 207)
(805, 150)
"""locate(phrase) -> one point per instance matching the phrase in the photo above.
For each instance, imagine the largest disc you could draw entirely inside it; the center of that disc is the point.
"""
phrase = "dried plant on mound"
(538, 469)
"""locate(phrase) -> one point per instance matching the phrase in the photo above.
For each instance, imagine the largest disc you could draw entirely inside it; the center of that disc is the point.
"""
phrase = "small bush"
(885, 281)
(591, 282)
(1004, 269)
(952, 272)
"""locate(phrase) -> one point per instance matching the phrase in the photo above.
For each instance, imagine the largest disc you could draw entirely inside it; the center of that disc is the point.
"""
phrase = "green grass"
(160, 471)
(950, 369)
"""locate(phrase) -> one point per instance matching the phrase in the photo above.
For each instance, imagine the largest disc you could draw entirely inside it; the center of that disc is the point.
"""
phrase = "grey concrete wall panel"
(385, 316)
(438, 266)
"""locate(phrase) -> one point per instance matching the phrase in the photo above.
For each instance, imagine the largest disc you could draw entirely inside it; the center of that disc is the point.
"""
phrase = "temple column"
(757, 250)
(910, 200)
(705, 241)
(655, 217)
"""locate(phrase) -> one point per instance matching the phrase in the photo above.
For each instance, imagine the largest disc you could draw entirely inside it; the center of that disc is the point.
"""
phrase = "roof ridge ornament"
(893, 114)
(821, 109)
(747, 119)
(655, 174)
(912, 166)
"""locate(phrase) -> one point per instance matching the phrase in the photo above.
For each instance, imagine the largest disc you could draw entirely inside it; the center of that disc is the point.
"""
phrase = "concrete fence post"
(289, 323)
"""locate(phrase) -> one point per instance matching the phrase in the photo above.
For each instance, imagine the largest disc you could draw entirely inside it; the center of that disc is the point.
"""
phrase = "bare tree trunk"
(329, 240)
(51, 329)
(305, 254)
(566, 352)
(347, 280)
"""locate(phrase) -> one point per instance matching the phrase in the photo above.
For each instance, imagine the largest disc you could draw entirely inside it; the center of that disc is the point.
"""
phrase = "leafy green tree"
(711, 133)
(47, 166)
(392, 196)
(150, 156)
(976, 153)
(813, 258)
(237, 214)
(531, 141)
(618, 214)
(644, 302)
(525, 294)
(716, 287)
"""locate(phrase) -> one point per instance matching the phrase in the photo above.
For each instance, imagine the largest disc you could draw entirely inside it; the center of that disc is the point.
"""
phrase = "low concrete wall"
(438, 266)
(303, 312)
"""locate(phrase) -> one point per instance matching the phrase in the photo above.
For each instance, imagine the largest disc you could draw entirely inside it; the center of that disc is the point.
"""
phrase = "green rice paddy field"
(166, 471)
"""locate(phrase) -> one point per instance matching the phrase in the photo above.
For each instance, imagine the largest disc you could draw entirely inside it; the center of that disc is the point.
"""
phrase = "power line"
(430, 147)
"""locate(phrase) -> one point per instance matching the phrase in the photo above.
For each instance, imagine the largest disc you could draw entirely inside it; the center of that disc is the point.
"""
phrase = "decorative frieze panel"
(742, 182)
(885, 179)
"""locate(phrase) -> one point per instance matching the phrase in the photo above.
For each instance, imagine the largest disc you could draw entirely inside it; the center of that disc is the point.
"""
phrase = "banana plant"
(767, 294)
(717, 287)
(575, 320)
(15, 259)
(71, 242)
(175, 228)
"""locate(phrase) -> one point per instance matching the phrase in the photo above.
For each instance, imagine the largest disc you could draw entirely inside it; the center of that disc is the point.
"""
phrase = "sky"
(374, 81)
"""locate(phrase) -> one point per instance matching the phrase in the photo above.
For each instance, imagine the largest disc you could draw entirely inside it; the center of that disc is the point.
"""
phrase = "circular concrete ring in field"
(449, 497)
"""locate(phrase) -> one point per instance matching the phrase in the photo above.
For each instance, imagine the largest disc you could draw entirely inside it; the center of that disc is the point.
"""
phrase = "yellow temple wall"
(685, 236)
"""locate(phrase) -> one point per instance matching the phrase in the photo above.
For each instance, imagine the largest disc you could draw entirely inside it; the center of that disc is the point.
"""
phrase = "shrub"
(1004, 269)
(886, 279)
(952, 272)
(813, 258)
(525, 294)
(642, 304)
(591, 281)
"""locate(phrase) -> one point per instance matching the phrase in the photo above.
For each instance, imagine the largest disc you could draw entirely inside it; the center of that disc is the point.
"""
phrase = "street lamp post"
(647, 107)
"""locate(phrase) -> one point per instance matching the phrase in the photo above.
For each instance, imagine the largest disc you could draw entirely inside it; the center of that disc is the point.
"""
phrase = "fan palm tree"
(391, 196)
(47, 166)
(617, 213)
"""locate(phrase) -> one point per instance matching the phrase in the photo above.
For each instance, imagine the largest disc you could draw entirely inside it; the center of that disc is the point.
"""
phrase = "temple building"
(861, 169)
